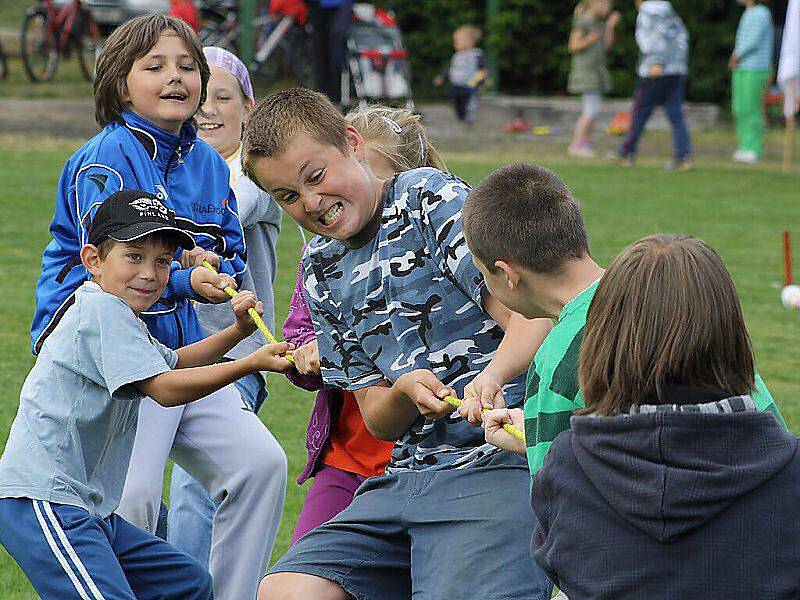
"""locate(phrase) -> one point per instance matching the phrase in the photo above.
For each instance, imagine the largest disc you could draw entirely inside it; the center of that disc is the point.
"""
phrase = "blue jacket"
(187, 174)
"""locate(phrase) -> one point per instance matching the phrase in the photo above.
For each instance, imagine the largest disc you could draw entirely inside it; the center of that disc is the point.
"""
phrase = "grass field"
(741, 212)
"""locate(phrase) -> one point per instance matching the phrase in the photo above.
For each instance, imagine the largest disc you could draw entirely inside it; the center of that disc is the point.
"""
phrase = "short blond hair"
(281, 117)
(472, 31)
(396, 134)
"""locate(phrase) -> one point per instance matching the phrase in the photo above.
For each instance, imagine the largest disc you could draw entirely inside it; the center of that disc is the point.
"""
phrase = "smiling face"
(327, 192)
(226, 110)
(163, 86)
(136, 271)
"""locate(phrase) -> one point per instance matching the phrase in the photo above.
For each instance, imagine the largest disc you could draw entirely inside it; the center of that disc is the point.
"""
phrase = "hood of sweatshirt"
(659, 8)
(668, 472)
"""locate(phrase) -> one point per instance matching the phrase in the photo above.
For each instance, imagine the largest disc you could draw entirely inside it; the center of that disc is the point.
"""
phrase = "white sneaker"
(581, 150)
(745, 156)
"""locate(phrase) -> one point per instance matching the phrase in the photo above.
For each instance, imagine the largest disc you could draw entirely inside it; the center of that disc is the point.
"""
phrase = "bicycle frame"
(62, 22)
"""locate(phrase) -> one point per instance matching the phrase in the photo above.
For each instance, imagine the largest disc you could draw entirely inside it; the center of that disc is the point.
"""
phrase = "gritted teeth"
(332, 214)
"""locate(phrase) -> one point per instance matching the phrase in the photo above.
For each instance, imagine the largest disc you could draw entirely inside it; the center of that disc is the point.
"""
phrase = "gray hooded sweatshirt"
(662, 39)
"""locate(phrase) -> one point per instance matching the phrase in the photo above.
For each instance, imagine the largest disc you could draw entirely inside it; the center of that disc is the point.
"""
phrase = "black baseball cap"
(128, 215)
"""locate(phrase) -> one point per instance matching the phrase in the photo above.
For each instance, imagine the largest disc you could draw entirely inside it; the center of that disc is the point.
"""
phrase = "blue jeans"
(668, 91)
(191, 509)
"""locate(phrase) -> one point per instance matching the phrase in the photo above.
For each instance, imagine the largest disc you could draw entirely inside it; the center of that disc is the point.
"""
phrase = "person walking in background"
(751, 63)
(330, 20)
(592, 35)
(467, 71)
(664, 48)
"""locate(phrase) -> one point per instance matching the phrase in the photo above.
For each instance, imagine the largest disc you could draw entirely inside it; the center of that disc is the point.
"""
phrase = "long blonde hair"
(396, 134)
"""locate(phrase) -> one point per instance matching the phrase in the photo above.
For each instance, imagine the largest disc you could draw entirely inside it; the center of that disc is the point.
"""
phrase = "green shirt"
(552, 392)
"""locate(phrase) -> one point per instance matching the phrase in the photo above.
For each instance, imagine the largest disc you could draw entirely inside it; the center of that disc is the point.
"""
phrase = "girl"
(591, 37)
(228, 104)
(751, 63)
(151, 79)
(670, 481)
(341, 452)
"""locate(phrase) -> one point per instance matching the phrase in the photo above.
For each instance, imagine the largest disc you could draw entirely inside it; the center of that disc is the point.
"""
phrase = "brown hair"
(282, 116)
(665, 313)
(525, 214)
(396, 134)
(167, 239)
(129, 42)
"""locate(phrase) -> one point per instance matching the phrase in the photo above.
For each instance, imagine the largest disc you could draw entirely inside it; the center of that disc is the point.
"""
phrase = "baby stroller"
(377, 60)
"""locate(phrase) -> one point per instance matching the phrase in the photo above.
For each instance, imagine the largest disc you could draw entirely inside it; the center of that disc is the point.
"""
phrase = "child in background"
(402, 320)
(663, 54)
(342, 453)
(590, 39)
(229, 102)
(151, 79)
(751, 63)
(467, 71)
(670, 474)
(64, 466)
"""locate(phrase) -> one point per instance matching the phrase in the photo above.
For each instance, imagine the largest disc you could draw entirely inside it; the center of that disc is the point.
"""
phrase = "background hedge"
(530, 41)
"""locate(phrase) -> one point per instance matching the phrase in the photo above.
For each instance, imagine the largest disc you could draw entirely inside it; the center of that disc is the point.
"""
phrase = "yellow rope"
(253, 314)
(507, 426)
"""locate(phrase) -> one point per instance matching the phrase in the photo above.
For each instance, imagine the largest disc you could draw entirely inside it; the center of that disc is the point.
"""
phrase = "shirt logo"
(99, 181)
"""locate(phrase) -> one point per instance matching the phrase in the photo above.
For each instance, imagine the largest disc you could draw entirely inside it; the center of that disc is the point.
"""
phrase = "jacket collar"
(159, 144)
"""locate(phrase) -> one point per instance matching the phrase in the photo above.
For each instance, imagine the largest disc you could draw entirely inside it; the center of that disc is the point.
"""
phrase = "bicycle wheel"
(38, 47)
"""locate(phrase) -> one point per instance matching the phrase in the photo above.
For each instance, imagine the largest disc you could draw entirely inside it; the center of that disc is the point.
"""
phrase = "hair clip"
(395, 127)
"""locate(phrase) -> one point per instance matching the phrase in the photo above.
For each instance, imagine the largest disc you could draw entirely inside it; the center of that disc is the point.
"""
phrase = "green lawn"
(741, 212)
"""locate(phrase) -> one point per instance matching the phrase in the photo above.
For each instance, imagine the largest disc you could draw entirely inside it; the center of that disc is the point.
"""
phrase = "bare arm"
(387, 412)
(580, 40)
(174, 388)
(209, 350)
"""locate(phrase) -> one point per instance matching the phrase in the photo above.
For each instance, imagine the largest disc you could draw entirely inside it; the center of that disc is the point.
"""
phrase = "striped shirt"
(755, 39)
(552, 392)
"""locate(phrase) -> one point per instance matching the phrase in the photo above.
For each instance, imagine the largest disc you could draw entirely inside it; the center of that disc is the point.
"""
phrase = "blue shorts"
(431, 535)
(68, 553)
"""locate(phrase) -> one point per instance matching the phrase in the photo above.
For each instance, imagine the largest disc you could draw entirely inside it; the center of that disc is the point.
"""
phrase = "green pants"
(749, 88)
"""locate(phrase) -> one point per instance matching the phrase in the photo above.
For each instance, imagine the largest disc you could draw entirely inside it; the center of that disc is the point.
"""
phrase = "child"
(151, 79)
(664, 48)
(64, 466)
(751, 63)
(591, 37)
(533, 250)
(228, 105)
(402, 320)
(466, 73)
(342, 453)
(671, 484)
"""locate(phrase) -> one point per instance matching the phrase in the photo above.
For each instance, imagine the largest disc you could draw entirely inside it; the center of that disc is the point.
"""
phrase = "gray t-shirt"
(72, 438)
(261, 220)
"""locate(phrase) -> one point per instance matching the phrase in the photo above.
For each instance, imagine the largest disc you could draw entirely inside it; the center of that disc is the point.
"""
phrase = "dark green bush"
(529, 40)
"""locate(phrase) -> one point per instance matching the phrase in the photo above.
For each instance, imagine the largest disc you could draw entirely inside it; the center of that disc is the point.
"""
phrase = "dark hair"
(282, 116)
(129, 42)
(167, 239)
(525, 214)
(665, 313)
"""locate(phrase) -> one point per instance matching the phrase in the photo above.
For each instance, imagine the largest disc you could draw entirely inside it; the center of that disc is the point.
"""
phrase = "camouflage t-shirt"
(409, 299)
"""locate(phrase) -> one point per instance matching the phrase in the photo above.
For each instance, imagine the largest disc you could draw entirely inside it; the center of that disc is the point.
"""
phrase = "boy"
(402, 320)
(527, 237)
(466, 72)
(63, 469)
(664, 48)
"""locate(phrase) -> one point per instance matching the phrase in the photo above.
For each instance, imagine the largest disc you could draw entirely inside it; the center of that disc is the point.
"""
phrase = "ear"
(355, 143)
(248, 110)
(511, 272)
(90, 258)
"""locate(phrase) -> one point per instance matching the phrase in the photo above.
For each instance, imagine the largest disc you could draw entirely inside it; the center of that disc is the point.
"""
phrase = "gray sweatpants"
(236, 459)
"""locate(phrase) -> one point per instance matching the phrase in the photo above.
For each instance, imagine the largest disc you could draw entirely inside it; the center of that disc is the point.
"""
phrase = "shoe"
(581, 150)
(679, 164)
(623, 161)
(745, 156)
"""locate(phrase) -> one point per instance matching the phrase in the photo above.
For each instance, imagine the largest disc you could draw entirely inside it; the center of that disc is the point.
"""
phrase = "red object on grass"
(787, 258)
(186, 11)
(517, 125)
(296, 9)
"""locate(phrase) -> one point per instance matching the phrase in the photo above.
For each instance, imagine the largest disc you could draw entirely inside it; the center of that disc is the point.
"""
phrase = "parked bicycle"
(282, 46)
(50, 33)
